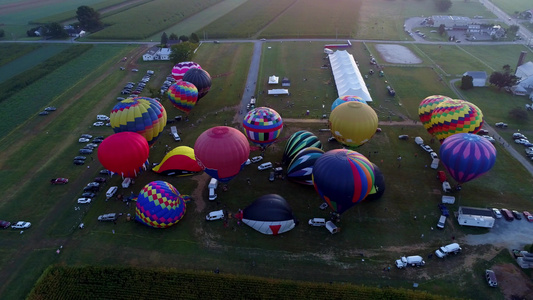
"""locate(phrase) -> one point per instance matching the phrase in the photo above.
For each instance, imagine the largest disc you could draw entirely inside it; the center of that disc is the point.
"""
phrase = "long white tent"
(347, 76)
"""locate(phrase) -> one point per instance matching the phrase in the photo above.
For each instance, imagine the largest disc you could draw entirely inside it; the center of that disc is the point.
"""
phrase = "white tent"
(348, 78)
(525, 70)
(273, 79)
(278, 92)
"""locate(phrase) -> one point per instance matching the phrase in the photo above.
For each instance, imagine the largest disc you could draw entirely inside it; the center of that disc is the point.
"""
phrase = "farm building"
(524, 70)
(479, 77)
(156, 53)
(348, 78)
(477, 217)
(455, 22)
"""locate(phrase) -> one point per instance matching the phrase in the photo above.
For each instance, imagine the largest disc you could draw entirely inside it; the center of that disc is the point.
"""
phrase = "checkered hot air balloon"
(183, 95)
(455, 116)
(159, 205)
(262, 126)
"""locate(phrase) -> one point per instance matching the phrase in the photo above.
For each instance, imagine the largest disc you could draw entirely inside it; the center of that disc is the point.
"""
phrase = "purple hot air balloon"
(467, 156)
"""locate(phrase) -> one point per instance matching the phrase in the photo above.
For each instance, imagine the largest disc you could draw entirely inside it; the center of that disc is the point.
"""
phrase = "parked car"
(86, 151)
(433, 155)
(4, 224)
(93, 184)
(88, 195)
(491, 278)
(134, 70)
(92, 145)
(516, 214)
(483, 132)
(44, 113)
(50, 108)
(98, 124)
(528, 216)
(215, 215)
(501, 125)
(497, 214)
(91, 189)
(84, 200)
(87, 136)
(521, 141)
(323, 206)
(108, 217)
(100, 180)
(83, 140)
(256, 159)
(271, 177)
(444, 210)
(264, 166)
(21, 225)
(518, 135)
(403, 137)
(507, 214)
(79, 162)
(59, 180)
(427, 148)
(79, 157)
(104, 171)
(489, 138)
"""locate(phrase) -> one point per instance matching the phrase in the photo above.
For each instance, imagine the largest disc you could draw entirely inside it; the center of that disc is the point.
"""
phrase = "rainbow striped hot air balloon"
(346, 98)
(183, 95)
(467, 156)
(426, 107)
(262, 126)
(343, 178)
(159, 205)
(142, 115)
(455, 116)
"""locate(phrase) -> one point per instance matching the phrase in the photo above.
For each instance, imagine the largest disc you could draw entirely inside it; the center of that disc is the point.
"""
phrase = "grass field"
(71, 14)
(510, 7)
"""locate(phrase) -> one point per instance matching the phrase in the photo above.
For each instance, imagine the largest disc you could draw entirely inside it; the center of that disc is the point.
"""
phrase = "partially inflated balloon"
(300, 170)
(467, 156)
(262, 126)
(180, 161)
(455, 116)
(159, 205)
(297, 142)
(379, 185)
(353, 123)
(222, 152)
(347, 98)
(343, 178)
(426, 107)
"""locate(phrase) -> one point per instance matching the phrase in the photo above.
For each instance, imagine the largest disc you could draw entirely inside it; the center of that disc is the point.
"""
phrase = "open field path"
(36, 238)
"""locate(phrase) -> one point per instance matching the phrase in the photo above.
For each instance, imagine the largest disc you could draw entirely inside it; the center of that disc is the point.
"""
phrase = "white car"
(248, 161)
(93, 184)
(215, 215)
(265, 166)
(521, 141)
(497, 213)
(83, 140)
(489, 138)
(427, 148)
(256, 159)
(21, 225)
(98, 124)
(84, 200)
(433, 155)
(501, 125)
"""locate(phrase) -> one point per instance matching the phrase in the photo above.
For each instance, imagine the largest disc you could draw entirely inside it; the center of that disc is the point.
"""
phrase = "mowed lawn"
(510, 7)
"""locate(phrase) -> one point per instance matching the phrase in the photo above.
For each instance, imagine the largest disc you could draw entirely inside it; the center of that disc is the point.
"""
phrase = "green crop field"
(510, 7)
(99, 6)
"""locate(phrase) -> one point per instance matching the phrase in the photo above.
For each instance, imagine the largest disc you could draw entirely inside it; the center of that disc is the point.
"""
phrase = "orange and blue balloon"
(343, 178)
(183, 95)
(159, 205)
(262, 126)
(467, 156)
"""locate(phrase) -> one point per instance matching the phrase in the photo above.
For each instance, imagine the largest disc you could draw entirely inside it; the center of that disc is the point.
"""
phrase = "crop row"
(60, 282)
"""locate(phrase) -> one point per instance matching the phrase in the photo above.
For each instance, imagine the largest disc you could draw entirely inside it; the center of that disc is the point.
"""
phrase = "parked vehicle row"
(511, 215)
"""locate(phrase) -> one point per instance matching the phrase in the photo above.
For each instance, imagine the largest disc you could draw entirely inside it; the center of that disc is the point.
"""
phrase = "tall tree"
(173, 37)
(194, 38)
(443, 5)
(442, 29)
(55, 30)
(184, 38)
(89, 18)
(181, 52)
(467, 82)
(164, 39)
(2, 33)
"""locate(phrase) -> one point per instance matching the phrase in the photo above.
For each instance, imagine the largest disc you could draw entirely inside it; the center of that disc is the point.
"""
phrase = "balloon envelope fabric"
(262, 125)
(159, 205)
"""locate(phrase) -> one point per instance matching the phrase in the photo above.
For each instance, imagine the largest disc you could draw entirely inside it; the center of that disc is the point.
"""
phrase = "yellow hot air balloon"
(353, 123)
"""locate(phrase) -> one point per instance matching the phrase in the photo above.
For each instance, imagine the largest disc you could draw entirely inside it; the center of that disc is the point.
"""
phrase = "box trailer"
(477, 217)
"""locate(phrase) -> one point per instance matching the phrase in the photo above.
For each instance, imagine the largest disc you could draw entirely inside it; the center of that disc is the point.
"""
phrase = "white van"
(435, 163)
(441, 222)
(212, 186)
(419, 140)
(111, 191)
(215, 215)
(265, 166)
(126, 182)
(317, 222)
(176, 137)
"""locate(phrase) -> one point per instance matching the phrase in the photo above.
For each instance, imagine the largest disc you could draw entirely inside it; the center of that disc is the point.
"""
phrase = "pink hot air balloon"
(125, 153)
(181, 68)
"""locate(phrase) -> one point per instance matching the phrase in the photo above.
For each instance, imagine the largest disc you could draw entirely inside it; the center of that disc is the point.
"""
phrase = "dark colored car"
(80, 158)
(444, 210)
(97, 141)
(517, 215)
(507, 214)
(403, 137)
(104, 171)
(86, 136)
(59, 180)
(4, 224)
(44, 113)
(79, 162)
(86, 151)
(88, 195)
(483, 132)
(91, 189)
(100, 180)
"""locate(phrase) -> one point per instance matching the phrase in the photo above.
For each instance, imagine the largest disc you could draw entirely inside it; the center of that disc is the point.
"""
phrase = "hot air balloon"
(343, 178)
(467, 156)
(297, 142)
(425, 109)
(181, 68)
(142, 115)
(159, 205)
(353, 123)
(347, 98)
(455, 116)
(379, 185)
(269, 214)
(201, 79)
(125, 153)
(222, 152)
(300, 169)
(180, 161)
(262, 126)
(183, 95)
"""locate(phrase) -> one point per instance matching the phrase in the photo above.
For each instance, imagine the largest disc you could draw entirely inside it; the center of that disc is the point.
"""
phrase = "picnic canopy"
(348, 78)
